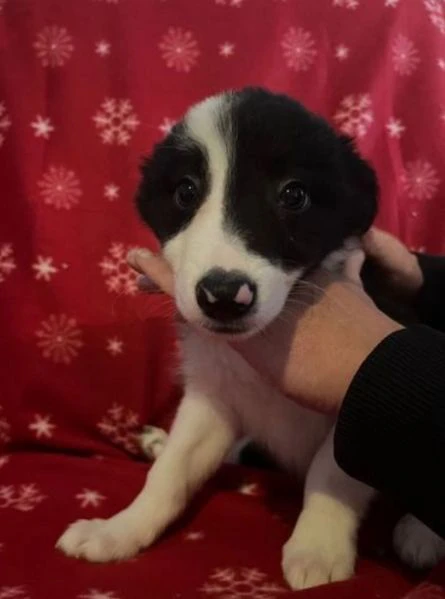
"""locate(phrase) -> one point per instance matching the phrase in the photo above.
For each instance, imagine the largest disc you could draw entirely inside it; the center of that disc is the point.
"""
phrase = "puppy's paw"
(317, 554)
(99, 540)
(416, 544)
(152, 441)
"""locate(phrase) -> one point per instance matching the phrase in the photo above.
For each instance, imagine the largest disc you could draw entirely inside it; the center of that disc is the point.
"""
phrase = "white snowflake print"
(405, 57)
(44, 268)
(111, 191)
(436, 12)
(355, 115)
(341, 52)
(116, 121)
(5, 429)
(4, 459)
(54, 46)
(166, 126)
(119, 277)
(351, 4)
(59, 338)
(194, 535)
(5, 122)
(23, 498)
(89, 497)
(42, 426)
(109, 1)
(249, 489)
(2, 4)
(103, 48)
(395, 127)
(42, 127)
(426, 590)
(420, 180)
(298, 49)
(96, 594)
(234, 3)
(115, 346)
(391, 3)
(179, 49)
(59, 187)
(226, 49)
(13, 593)
(121, 426)
(248, 583)
(441, 63)
(7, 262)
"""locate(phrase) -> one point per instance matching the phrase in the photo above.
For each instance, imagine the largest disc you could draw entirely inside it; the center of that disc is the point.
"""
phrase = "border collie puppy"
(246, 194)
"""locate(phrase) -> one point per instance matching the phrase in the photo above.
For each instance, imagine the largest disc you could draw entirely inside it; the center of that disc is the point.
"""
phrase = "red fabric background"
(86, 87)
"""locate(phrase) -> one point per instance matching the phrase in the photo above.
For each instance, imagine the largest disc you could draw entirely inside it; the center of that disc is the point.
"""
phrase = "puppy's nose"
(225, 295)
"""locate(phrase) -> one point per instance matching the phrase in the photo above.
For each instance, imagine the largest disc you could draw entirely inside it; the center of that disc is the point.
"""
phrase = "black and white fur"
(240, 150)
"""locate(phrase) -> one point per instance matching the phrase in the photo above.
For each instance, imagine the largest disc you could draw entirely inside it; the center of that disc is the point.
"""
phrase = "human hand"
(314, 348)
(401, 267)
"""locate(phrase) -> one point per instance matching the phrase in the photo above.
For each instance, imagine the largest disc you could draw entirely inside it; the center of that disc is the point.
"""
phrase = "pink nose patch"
(244, 295)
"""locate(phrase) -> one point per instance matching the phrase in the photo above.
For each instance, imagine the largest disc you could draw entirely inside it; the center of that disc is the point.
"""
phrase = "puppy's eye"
(186, 194)
(294, 197)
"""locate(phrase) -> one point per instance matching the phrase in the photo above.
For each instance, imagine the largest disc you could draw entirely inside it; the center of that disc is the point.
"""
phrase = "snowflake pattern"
(420, 180)
(23, 498)
(42, 426)
(395, 127)
(341, 52)
(59, 339)
(115, 346)
(42, 127)
(355, 115)
(96, 594)
(116, 121)
(59, 187)
(179, 49)
(119, 277)
(121, 427)
(111, 191)
(7, 262)
(234, 3)
(166, 126)
(13, 593)
(248, 583)
(5, 429)
(103, 48)
(391, 3)
(436, 12)
(298, 49)
(89, 497)
(226, 49)
(351, 4)
(2, 4)
(4, 459)
(54, 46)
(194, 535)
(44, 268)
(5, 122)
(405, 57)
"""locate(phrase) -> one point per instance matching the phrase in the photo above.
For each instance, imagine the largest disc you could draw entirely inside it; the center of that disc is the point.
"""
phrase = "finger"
(154, 267)
(146, 285)
(353, 266)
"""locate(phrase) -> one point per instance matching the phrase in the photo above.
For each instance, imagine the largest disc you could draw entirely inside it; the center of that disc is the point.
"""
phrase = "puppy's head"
(245, 194)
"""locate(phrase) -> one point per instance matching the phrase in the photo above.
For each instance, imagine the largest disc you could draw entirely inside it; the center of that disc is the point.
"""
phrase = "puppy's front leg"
(201, 436)
(322, 547)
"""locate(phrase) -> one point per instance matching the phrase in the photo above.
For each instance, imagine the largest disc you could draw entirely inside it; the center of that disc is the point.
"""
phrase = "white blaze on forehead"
(202, 125)
(244, 295)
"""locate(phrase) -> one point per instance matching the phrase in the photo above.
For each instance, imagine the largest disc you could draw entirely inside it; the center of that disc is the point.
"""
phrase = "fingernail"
(138, 253)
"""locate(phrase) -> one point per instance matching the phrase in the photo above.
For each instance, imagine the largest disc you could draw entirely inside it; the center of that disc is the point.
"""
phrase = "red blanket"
(86, 87)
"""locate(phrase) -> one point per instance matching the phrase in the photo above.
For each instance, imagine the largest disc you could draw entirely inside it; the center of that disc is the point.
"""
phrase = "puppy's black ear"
(363, 186)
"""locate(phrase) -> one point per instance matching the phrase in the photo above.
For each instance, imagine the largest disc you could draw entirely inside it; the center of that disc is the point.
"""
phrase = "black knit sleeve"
(430, 301)
(390, 432)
